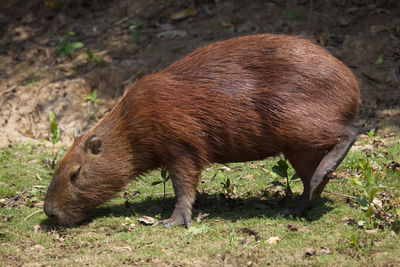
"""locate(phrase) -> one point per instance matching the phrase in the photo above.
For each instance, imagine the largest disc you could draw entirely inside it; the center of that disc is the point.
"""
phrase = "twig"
(32, 214)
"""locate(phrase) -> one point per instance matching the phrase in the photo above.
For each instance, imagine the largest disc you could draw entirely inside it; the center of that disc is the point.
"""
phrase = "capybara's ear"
(93, 143)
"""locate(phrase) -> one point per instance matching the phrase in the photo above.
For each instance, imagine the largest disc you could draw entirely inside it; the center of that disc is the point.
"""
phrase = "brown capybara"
(237, 100)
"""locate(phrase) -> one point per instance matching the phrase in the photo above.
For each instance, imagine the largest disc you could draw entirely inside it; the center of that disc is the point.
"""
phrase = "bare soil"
(365, 34)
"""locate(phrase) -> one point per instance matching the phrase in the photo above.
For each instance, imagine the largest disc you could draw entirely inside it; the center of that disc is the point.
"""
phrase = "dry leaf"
(292, 227)
(227, 24)
(147, 220)
(377, 202)
(184, 13)
(309, 252)
(273, 240)
(324, 251)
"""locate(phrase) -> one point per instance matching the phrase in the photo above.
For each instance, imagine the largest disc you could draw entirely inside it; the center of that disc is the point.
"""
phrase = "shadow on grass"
(214, 205)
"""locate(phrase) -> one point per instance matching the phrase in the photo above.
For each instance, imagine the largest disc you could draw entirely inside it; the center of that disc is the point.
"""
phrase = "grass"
(240, 229)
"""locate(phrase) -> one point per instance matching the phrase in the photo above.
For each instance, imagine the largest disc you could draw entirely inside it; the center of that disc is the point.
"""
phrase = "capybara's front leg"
(184, 176)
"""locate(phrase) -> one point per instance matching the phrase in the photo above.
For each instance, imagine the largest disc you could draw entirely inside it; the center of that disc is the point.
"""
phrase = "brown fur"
(243, 99)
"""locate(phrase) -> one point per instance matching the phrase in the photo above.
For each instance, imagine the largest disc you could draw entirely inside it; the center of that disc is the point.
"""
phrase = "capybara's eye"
(75, 174)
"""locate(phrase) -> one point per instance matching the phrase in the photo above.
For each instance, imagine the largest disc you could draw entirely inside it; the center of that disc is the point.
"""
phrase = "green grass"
(235, 232)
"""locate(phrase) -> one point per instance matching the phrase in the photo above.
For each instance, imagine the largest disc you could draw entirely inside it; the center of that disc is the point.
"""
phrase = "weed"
(33, 196)
(165, 178)
(66, 48)
(136, 29)
(93, 98)
(32, 80)
(55, 134)
(229, 189)
(368, 193)
(380, 59)
(55, 131)
(281, 169)
(361, 244)
(92, 58)
(371, 132)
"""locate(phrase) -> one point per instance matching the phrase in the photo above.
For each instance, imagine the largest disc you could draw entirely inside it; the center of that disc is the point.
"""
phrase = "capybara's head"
(92, 171)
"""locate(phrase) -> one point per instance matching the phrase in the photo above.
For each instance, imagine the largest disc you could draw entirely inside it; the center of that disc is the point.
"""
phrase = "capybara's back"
(242, 99)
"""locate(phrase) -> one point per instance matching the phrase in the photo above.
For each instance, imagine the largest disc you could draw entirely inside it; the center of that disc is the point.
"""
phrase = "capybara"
(242, 99)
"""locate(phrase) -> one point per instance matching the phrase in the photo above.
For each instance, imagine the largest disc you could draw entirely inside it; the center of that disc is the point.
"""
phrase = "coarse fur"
(242, 99)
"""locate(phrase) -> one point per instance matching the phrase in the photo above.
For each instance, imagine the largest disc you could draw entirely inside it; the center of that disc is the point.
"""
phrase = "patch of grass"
(237, 230)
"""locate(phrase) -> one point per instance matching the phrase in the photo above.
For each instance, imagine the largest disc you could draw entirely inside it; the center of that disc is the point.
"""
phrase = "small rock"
(372, 48)
(375, 29)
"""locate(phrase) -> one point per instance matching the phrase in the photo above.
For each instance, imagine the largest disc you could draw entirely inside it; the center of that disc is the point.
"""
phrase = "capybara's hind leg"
(313, 187)
(304, 162)
(184, 176)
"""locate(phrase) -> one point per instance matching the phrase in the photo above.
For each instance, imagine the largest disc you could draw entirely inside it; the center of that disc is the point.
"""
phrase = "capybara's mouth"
(67, 219)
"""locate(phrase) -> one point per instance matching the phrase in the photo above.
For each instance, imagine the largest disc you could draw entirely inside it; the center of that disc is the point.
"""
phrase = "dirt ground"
(132, 38)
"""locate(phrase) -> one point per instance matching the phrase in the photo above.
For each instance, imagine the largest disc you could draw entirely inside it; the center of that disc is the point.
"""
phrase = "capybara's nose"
(50, 213)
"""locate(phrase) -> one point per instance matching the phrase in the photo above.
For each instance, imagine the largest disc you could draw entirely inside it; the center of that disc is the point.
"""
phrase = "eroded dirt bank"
(132, 38)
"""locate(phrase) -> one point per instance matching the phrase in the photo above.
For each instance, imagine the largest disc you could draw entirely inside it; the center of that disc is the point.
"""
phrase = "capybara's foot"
(181, 216)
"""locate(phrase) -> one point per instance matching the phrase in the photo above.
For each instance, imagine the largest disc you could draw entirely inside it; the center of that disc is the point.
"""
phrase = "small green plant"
(165, 178)
(93, 97)
(55, 131)
(371, 132)
(369, 191)
(55, 134)
(229, 189)
(67, 48)
(281, 169)
(33, 196)
(357, 243)
(92, 58)
(32, 80)
(290, 14)
(380, 59)
(136, 29)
